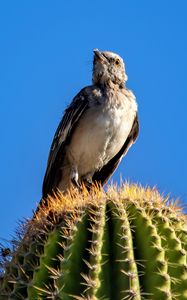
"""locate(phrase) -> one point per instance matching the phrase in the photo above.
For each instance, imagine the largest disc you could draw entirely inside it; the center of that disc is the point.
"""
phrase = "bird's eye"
(117, 62)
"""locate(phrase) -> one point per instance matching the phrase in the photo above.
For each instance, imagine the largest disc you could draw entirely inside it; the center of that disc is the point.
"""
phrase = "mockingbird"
(96, 131)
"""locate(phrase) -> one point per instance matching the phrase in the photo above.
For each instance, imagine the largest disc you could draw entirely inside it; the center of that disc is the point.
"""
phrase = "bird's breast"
(100, 135)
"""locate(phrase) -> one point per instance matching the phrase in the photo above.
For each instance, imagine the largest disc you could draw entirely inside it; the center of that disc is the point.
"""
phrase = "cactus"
(129, 243)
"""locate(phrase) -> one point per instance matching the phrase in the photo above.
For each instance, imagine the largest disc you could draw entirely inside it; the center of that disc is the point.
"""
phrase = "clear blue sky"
(46, 58)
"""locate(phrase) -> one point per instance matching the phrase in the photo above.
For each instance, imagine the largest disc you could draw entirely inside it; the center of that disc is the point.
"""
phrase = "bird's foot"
(88, 184)
(75, 178)
(76, 183)
(88, 181)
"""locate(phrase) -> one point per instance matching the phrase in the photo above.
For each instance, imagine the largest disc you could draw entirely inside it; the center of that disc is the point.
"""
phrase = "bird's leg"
(74, 175)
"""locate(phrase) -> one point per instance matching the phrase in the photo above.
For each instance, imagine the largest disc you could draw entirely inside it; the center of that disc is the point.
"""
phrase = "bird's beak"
(99, 55)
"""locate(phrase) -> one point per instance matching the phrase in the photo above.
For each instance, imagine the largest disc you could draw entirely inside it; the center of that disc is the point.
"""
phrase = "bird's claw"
(76, 183)
(75, 178)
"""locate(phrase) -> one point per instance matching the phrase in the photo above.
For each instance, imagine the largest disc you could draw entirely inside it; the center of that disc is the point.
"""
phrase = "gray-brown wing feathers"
(104, 174)
(62, 137)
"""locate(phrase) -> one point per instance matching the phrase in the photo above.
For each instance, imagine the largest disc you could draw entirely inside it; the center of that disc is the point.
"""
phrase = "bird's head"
(108, 68)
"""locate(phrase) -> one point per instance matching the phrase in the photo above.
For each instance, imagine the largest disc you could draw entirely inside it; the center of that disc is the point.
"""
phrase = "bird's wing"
(103, 175)
(62, 136)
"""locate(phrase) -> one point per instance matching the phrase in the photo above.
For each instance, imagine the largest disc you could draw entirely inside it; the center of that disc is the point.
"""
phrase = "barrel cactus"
(129, 243)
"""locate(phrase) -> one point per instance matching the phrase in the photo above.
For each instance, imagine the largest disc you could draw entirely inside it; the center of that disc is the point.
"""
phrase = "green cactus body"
(126, 244)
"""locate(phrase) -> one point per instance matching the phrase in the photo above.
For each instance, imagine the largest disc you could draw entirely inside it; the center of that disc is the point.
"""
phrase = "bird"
(96, 131)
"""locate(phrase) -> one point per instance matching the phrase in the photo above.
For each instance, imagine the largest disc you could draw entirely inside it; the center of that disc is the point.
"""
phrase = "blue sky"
(46, 58)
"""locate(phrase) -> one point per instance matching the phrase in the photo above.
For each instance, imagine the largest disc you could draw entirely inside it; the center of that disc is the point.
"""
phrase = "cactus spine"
(126, 244)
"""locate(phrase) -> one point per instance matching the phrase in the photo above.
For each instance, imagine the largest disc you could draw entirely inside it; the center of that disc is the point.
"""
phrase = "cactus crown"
(129, 243)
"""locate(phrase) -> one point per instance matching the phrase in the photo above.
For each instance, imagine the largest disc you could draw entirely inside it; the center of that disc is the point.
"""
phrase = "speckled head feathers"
(108, 67)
